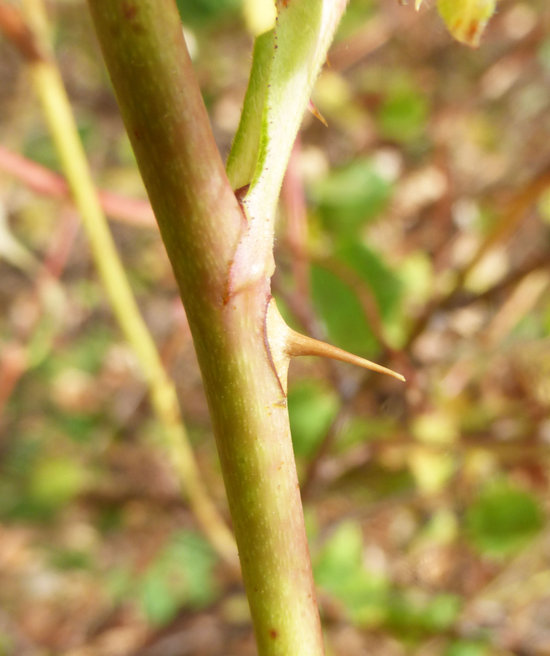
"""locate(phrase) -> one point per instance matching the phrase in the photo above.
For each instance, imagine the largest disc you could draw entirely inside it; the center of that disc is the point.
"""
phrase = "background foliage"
(426, 246)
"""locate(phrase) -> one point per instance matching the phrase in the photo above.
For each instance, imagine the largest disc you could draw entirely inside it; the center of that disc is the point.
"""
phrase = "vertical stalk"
(201, 222)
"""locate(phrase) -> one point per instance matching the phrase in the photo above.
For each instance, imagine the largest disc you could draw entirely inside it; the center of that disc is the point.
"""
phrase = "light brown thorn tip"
(317, 113)
(298, 344)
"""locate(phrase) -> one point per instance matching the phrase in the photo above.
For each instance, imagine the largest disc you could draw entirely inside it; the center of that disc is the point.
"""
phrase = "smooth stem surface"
(201, 223)
(57, 111)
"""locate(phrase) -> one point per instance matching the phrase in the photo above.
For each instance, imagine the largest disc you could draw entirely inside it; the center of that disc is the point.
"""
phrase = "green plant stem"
(201, 223)
(57, 112)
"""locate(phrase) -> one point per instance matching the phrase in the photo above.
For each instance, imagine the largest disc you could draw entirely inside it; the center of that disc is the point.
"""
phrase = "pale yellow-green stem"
(58, 115)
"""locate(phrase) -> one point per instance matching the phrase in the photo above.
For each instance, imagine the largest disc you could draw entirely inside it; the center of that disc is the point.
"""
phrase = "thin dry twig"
(16, 30)
(504, 229)
(42, 180)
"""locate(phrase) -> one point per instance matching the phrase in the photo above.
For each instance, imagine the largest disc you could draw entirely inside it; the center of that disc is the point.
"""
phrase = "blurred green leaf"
(78, 426)
(6, 644)
(39, 148)
(340, 310)
(357, 13)
(359, 430)
(182, 573)
(351, 196)
(109, 519)
(87, 353)
(341, 554)
(441, 612)
(365, 485)
(414, 615)
(46, 484)
(431, 468)
(546, 320)
(338, 305)
(199, 560)
(206, 11)
(466, 19)
(503, 519)
(71, 559)
(355, 431)
(55, 481)
(339, 570)
(120, 582)
(312, 407)
(441, 528)
(467, 648)
(544, 53)
(416, 277)
(159, 597)
(22, 454)
(403, 114)
(438, 426)
(378, 277)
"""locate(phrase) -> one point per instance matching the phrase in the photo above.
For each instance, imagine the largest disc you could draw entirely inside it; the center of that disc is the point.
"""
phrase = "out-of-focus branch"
(57, 112)
(40, 179)
(504, 229)
(15, 28)
(29, 350)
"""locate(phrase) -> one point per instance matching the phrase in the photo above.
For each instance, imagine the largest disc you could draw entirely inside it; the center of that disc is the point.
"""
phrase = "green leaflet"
(285, 66)
(243, 157)
(465, 19)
